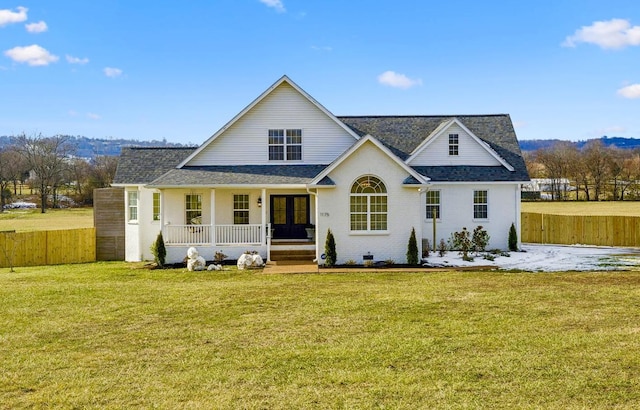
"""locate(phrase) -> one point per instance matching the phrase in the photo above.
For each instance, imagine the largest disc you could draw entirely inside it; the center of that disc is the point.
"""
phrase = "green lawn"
(34, 220)
(107, 335)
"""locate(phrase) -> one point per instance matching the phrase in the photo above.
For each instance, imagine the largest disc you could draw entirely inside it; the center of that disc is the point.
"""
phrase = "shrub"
(331, 256)
(480, 239)
(389, 262)
(159, 251)
(350, 262)
(412, 248)
(425, 248)
(369, 264)
(513, 238)
(461, 242)
(442, 248)
(219, 257)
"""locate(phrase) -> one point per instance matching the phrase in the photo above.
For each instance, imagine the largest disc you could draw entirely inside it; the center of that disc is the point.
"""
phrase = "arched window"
(368, 204)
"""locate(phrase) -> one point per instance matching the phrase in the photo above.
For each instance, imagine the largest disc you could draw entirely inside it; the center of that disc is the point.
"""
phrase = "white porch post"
(162, 219)
(213, 217)
(266, 237)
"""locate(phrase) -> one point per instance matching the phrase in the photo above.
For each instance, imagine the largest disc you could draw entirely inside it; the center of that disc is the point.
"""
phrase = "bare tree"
(596, 158)
(47, 158)
(5, 177)
(556, 164)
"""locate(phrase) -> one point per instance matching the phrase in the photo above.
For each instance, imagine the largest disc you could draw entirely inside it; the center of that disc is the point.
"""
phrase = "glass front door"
(289, 216)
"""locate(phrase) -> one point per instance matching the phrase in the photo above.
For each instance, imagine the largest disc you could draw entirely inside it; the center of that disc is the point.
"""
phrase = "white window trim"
(385, 194)
(285, 146)
(456, 144)
(189, 209)
(153, 205)
(247, 209)
(485, 203)
(439, 205)
(136, 206)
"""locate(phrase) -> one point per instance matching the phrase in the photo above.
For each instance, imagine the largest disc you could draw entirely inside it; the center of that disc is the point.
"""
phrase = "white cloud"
(39, 27)
(396, 80)
(274, 4)
(631, 91)
(34, 55)
(322, 48)
(7, 16)
(112, 72)
(614, 34)
(614, 129)
(93, 116)
(76, 60)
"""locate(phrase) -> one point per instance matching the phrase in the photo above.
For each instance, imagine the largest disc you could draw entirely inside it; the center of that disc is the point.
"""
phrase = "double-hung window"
(480, 205)
(285, 145)
(453, 144)
(193, 209)
(132, 206)
(241, 209)
(368, 204)
(156, 206)
(433, 205)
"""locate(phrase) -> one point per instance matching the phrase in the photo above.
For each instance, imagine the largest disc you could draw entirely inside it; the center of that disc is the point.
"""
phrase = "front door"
(289, 216)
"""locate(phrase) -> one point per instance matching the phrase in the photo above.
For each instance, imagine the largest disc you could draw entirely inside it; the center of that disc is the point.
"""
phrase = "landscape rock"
(248, 261)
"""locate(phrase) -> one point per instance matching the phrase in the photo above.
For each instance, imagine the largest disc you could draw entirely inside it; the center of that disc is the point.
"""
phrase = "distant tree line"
(596, 171)
(48, 165)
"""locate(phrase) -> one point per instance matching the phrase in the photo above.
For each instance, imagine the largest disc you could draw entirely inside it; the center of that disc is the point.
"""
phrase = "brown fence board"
(580, 229)
(48, 247)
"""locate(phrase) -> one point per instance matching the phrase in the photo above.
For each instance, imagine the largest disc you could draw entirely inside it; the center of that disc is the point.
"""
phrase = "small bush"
(219, 257)
(350, 262)
(425, 248)
(489, 257)
(389, 262)
(158, 250)
(412, 248)
(331, 256)
(479, 240)
(513, 238)
(461, 242)
(442, 248)
(369, 264)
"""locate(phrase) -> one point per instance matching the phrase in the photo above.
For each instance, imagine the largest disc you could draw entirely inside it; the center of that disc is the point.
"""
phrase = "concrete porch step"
(293, 255)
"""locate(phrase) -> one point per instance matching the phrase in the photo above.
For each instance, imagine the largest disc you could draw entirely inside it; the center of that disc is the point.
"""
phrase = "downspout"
(518, 197)
(315, 194)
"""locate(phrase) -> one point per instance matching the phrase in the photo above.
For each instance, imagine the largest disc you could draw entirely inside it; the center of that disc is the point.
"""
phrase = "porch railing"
(238, 234)
(187, 234)
(202, 234)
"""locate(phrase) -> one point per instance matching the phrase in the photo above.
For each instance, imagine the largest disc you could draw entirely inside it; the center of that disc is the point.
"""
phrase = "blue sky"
(567, 69)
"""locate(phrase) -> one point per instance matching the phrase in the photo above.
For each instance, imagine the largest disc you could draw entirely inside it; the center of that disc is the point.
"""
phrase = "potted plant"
(311, 231)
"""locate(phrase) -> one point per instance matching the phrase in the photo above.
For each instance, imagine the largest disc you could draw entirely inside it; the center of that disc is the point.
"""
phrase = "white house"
(285, 163)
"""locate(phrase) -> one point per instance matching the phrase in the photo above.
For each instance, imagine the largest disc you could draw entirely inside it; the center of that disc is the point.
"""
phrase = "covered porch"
(235, 220)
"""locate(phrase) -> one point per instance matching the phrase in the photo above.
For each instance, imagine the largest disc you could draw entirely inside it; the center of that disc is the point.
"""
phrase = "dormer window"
(453, 144)
(285, 145)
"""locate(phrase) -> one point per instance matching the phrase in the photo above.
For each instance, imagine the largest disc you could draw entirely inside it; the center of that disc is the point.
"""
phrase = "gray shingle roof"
(141, 165)
(239, 175)
(402, 134)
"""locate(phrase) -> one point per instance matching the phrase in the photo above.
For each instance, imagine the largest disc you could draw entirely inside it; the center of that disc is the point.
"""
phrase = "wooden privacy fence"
(581, 229)
(47, 247)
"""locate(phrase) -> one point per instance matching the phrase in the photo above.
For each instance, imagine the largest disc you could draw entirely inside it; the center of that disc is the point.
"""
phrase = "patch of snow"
(549, 258)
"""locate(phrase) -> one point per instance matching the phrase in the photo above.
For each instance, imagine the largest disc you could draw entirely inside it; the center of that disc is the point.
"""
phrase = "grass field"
(106, 335)
(613, 208)
(33, 220)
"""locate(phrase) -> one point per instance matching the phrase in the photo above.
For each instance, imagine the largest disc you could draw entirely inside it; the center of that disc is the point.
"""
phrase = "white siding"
(141, 234)
(403, 209)
(470, 152)
(246, 141)
(456, 207)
